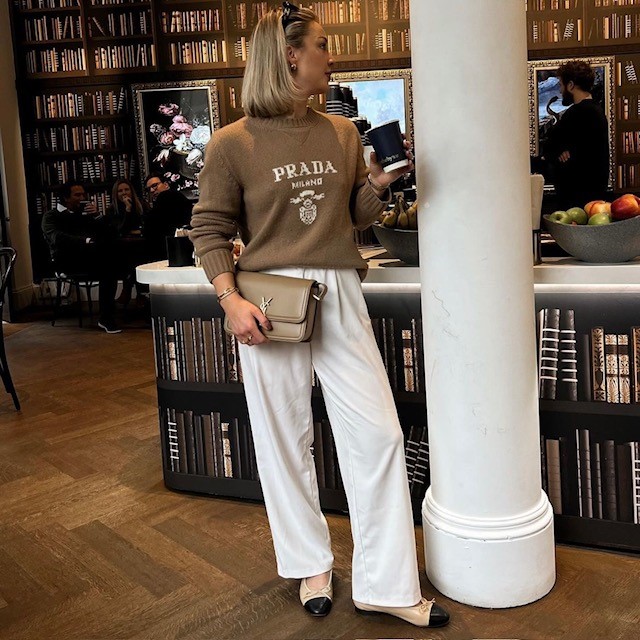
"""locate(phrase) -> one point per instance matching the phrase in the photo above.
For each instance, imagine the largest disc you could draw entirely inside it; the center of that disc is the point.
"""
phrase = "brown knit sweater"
(293, 188)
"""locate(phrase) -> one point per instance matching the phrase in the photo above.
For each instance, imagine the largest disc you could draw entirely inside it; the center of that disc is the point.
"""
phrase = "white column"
(488, 526)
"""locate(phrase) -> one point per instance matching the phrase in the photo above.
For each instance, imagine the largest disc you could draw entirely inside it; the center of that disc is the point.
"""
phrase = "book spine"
(584, 463)
(624, 374)
(407, 360)
(598, 365)
(584, 369)
(635, 470)
(608, 470)
(554, 473)
(172, 441)
(624, 482)
(568, 357)
(182, 442)
(226, 451)
(549, 331)
(635, 359)
(209, 456)
(612, 380)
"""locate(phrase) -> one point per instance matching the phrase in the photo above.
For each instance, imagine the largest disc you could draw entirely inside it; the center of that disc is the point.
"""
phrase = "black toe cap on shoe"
(318, 606)
(439, 617)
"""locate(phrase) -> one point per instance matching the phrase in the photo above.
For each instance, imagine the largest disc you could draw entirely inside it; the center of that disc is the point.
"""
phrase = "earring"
(293, 67)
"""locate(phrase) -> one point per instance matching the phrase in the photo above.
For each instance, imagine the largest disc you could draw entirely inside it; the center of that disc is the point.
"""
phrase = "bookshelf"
(611, 22)
(207, 445)
(590, 448)
(555, 24)
(627, 105)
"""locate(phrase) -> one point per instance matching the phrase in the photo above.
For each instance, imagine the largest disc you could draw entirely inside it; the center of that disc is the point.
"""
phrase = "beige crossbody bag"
(289, 303)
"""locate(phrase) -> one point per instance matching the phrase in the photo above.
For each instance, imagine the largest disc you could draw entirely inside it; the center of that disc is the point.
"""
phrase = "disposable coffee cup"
(389, 145)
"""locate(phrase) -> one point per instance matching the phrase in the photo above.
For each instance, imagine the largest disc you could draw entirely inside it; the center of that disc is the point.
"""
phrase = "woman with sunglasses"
(295, 184)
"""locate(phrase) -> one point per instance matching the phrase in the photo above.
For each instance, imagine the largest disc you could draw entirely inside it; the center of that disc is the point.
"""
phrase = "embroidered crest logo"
(264, 305)
(308, 210)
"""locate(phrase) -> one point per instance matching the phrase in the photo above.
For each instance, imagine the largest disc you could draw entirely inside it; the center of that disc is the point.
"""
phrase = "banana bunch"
(402, 216)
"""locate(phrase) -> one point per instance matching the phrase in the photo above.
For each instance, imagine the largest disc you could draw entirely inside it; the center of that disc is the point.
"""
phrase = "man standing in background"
(578, 146)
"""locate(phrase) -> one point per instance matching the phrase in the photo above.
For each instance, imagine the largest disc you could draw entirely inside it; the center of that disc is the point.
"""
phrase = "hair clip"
(288, 9)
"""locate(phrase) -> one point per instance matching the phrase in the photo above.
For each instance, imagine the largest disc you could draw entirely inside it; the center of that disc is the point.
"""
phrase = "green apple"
(578, 215)
(600, 218)
(560, 216)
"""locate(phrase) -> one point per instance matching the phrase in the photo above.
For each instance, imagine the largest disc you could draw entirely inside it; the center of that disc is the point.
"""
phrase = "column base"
(490, 562)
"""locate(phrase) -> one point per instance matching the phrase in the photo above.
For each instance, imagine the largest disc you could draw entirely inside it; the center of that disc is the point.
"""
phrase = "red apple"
(597, 206)
(626, 206)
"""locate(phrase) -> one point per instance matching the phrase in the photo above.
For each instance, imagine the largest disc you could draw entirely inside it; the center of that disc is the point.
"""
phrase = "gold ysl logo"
(265, 304)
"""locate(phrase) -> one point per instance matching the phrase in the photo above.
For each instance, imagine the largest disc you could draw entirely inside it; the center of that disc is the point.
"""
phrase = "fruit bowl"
(399, 243)
(615, 242)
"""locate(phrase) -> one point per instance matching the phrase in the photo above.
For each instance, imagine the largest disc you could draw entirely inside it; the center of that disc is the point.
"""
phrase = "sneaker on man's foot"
(109, 326)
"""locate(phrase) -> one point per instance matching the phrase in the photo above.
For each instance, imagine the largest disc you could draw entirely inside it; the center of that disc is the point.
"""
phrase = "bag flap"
(281, 298)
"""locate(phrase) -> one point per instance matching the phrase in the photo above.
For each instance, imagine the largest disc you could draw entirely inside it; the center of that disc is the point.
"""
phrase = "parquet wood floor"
(93, 547)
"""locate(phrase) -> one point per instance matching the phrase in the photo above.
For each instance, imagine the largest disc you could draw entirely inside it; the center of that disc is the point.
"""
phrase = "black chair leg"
(79, 299)
(88, 287)
(4, 372)
(58, 302)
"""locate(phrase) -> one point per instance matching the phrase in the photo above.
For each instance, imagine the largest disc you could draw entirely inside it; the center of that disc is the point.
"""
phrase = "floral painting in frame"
(174, 122)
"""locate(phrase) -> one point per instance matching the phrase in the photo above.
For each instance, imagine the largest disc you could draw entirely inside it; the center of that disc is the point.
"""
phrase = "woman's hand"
(245, 320)
(127, 204)
(382, 179)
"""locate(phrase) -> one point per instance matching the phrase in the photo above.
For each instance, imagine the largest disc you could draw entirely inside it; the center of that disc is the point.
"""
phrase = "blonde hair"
(268, 88)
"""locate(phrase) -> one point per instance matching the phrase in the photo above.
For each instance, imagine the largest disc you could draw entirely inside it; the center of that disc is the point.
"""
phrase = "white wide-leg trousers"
(368, 438)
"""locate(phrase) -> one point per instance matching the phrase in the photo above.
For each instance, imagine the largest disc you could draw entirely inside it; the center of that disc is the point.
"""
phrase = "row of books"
(392, 40)
(125, 56)
(241, 48)
(52, 28)
(628, 175)
(195, 350)
(592, 478)
(48, 4)
(129, 23)
(87, 168)
(390, 9)
(552, 5)
(347, 44)
(190, 21)
(417, 456)
(215, 446)
(615, 26)
(598, 367)
(337, 11)
(629, 108)
(552, 31)
(78, 138)
(630, 72)
(77, 105)
(55, 60)
(199, 350)
(198, 52)
(630, 142)
(615, 3)
(46, 201)
(246, 18)
(207, 445)
(108, 3)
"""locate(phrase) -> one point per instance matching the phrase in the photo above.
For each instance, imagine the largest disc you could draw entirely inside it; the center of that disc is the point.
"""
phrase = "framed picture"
(546, 109)
(382, 95)
(174, 122)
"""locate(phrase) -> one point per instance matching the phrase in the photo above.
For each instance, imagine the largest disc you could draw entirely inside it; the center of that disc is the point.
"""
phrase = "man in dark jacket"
(578, 147)
(170, 210)
(80, 241)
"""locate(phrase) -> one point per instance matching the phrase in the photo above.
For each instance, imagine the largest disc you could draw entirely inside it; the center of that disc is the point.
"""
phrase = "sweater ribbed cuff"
(216, 262)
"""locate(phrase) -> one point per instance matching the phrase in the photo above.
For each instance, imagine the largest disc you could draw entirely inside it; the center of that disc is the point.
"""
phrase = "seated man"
(80, 241)
(169, 211)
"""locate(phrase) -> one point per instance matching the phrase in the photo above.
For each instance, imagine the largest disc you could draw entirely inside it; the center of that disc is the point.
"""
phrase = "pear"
(412, 214)
(390, 219)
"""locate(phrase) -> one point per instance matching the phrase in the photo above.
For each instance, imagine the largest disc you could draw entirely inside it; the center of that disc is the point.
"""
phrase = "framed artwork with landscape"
(546, 109)
(382, 95)
(174, 122)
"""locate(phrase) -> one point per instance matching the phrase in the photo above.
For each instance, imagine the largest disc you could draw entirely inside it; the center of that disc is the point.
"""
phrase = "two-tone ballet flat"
(317, 601)
(424, 614)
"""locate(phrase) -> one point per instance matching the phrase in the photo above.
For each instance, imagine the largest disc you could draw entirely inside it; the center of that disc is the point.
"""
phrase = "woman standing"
(295, 184)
